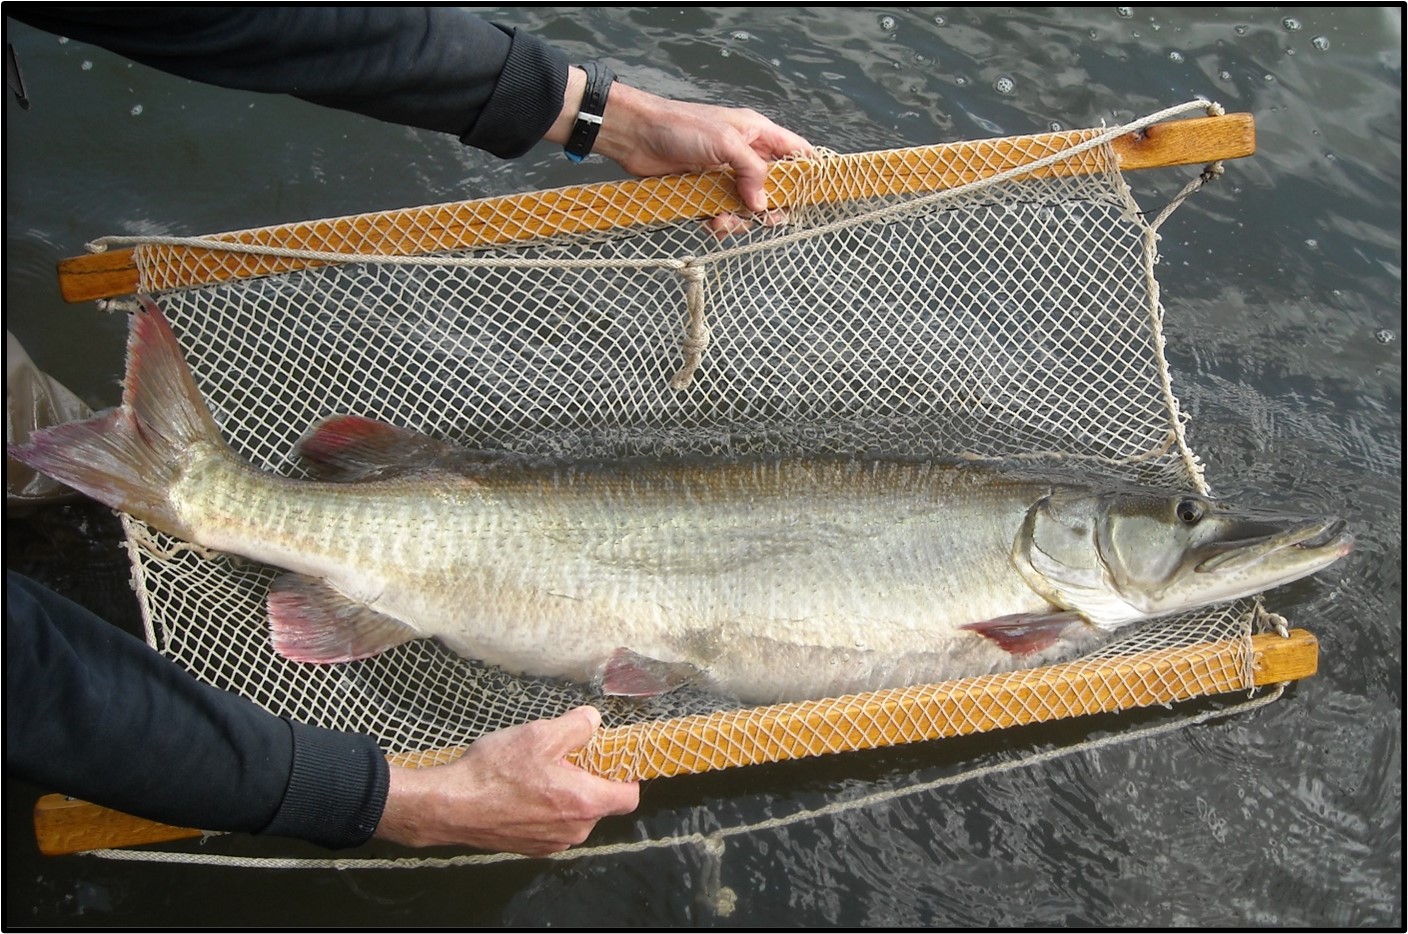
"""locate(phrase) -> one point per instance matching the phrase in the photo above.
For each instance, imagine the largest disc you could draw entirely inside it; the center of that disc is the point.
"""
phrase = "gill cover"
(1058, 554)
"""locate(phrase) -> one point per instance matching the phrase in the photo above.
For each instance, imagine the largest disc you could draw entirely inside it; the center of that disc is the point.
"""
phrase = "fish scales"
(829, 559)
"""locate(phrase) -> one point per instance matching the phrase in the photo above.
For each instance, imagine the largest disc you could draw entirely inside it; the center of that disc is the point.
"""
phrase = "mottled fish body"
(766, 580)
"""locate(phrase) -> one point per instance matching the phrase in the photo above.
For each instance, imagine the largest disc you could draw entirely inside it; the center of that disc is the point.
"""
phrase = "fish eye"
(1189, 510)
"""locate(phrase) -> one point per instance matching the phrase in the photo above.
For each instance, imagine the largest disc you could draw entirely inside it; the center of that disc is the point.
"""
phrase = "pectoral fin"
(630, 674)
(309, 621)
(1026, 633)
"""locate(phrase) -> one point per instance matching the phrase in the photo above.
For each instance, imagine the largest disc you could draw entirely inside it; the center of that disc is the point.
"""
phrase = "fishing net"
(1013, 317)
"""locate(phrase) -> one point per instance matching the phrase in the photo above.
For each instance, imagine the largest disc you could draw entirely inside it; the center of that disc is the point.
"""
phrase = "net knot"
(696, 332)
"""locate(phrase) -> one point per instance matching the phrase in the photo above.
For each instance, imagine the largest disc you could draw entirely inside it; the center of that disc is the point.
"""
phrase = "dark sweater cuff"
(336, 789)
(527, 99)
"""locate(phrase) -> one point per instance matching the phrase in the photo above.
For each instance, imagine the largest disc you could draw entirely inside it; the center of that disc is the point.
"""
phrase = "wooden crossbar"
(612, 205)
(730, 738)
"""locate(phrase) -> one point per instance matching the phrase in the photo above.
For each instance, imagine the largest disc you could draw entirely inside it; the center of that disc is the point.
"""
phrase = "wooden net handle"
(882, 718)
(613, 205)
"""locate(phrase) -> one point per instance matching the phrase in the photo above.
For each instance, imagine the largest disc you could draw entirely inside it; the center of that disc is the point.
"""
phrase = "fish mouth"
(1321, 540)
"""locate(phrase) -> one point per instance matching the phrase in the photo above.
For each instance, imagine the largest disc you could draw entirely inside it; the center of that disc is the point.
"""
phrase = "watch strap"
(588, 123)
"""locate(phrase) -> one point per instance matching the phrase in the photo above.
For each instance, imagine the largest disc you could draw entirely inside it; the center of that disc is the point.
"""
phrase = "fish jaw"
(1241, 568)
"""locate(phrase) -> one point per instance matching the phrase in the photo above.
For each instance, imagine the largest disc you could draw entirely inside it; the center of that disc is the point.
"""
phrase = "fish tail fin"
(129, 457)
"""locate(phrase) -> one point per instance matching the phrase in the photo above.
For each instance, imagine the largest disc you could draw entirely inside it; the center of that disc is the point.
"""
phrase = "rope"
(1178, 420)
(696, 333)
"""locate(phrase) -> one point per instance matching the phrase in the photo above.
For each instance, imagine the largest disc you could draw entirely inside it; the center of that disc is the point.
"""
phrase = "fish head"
(1119, 557)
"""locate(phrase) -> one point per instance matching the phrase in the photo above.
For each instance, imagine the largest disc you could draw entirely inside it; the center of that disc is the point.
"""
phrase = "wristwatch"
(599, 79)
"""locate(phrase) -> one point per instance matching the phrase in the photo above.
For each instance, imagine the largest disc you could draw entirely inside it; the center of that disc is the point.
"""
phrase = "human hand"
(649, 135)
(512, 791)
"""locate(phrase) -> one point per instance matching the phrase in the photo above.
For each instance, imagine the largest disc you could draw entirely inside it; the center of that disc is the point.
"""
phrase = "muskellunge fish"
(763, 579)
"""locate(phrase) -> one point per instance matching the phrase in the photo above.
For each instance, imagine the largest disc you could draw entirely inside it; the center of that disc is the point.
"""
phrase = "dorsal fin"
(353, 447)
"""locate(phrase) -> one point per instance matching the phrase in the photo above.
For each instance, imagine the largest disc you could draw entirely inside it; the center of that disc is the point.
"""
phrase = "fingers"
(775, 142)
(726, 225)
(750, 173)
(759, 142)
(572, 730)
(600, 796)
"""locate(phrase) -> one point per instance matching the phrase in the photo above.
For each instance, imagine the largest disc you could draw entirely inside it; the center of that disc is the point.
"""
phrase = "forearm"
(437, 68)
(92, 712)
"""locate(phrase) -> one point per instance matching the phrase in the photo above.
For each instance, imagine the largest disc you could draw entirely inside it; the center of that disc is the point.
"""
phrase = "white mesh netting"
(1012, 320)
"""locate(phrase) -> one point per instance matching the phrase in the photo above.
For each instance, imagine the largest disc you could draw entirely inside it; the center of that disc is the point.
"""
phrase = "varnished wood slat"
(65, 825)
(707, 742)
(610, 205)
(693, 744)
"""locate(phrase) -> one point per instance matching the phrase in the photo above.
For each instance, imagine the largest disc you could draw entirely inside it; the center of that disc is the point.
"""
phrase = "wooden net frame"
(724, 739)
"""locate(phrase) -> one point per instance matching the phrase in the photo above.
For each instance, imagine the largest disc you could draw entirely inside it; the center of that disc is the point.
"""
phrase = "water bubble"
(960, 80)
(1125, 12)
(940, 21)
(920, 58)
(63, 40)
(1004, 84)
(1385, 336)
(741, 35)
(887, 23)
(1320, 42)
(86, 66)
(136, 110)
(1291, 23)
(1225, 75)
(1313, 243)
(1056, 126)
(725, 53)
(1175, 56)
(1268, 77)
(1240, 30)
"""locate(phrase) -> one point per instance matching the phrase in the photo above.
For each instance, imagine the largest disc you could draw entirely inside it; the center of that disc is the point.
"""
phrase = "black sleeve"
(92, 712)
(438, 68)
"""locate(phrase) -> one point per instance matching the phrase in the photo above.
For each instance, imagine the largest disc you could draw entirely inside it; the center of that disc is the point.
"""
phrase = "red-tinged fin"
(309, 621)
(352, 448)
(1026, 633)
(630, 674)
(129, 457)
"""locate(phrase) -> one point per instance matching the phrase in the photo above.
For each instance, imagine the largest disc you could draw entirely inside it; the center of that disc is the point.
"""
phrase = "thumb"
(572, 730)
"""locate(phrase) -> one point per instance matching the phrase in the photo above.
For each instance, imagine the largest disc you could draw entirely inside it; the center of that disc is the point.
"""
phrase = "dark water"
(1284, 294)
